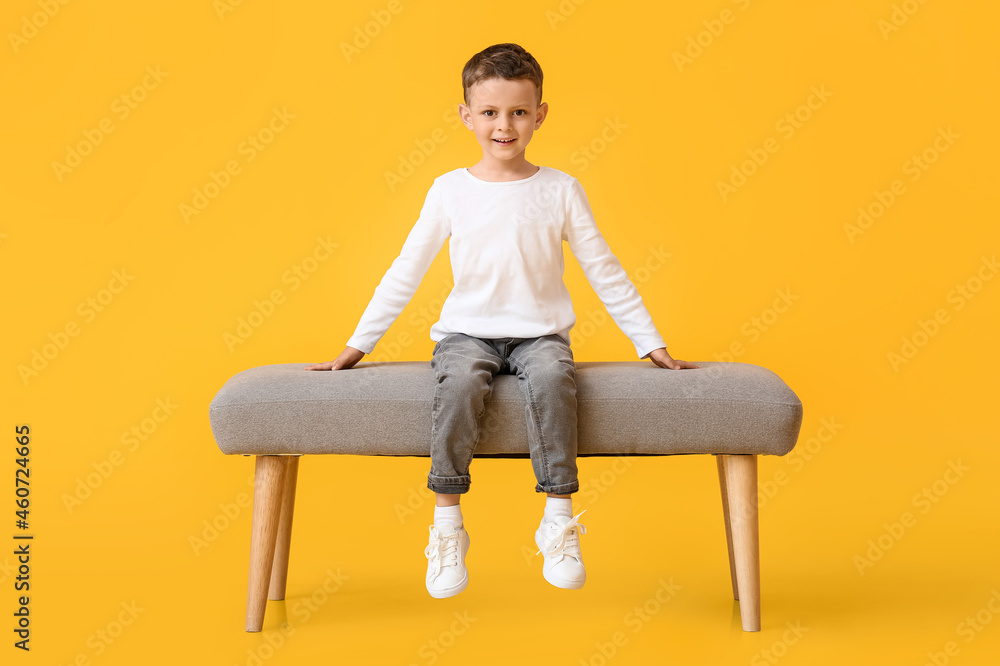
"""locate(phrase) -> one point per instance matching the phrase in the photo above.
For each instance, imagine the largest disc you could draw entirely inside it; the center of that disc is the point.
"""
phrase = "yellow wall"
(726, 147)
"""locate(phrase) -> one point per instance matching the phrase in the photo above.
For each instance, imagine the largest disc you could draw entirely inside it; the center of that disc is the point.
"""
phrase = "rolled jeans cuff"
(449, 485)
(561, 489)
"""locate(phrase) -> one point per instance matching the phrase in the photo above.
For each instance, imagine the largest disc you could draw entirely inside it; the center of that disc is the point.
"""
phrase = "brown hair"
(505, 61)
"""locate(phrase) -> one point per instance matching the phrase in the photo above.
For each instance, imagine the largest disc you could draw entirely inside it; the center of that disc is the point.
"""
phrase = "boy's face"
(503, 114)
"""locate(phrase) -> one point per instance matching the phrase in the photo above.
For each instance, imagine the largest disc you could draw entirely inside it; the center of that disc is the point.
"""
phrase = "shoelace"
(442, 551)
(564, 540)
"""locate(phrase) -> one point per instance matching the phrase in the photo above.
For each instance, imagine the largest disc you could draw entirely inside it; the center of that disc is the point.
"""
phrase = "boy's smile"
(503, 114)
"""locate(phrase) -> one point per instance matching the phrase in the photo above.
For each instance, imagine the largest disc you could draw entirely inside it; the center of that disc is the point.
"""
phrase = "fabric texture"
(623, 408)
(507, 262)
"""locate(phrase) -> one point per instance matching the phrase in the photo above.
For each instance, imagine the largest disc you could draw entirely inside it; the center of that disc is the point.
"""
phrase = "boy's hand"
(347, 359)
(661, 358)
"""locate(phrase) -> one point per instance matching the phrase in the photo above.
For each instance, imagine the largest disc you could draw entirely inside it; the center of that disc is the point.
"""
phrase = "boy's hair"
(505, 61)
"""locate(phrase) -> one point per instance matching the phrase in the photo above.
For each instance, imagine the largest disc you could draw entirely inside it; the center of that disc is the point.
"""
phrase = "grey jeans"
(464, 367)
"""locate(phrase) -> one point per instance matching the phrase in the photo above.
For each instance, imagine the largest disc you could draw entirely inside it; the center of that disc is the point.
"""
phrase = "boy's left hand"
(661, 358)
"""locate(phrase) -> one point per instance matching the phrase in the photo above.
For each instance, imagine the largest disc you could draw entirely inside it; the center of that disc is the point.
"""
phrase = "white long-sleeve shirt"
(507, 262)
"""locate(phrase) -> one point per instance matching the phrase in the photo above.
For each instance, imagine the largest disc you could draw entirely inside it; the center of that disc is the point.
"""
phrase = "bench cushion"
(624, 408)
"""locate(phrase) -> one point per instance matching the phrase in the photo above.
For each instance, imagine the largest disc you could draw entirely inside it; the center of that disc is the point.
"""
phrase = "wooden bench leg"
(741, 496)
(279, 570)
(269, 478)
(721, 462)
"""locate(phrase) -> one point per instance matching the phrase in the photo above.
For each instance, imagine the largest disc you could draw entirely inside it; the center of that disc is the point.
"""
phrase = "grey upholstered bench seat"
(278, 413)
(624, 408)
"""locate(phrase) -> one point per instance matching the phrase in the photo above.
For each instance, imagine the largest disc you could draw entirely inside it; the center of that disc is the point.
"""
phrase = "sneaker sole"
(449, 592)
(564, 584)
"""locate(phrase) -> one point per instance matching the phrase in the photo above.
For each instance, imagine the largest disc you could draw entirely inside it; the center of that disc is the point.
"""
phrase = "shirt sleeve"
(606, 275)
(400, 282)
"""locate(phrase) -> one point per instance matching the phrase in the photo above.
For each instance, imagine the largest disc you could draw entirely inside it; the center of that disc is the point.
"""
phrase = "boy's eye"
(520, 112)
(488, 112)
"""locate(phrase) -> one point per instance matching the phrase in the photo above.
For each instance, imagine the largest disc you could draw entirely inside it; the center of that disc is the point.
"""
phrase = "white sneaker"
(446, 550)
(559, 541)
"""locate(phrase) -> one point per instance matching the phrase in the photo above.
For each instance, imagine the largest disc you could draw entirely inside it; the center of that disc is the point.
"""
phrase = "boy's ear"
(543, 110)
(465, 113)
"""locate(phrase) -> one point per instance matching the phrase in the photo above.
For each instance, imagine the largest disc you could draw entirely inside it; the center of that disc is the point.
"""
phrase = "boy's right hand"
(347, 359)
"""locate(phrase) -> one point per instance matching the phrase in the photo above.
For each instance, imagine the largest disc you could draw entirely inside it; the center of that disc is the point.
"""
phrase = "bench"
(278, 413)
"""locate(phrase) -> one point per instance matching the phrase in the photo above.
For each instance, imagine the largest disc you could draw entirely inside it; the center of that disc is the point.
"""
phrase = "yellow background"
(654, 188)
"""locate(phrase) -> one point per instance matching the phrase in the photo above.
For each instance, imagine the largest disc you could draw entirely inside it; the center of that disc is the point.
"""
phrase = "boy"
(508, 312)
